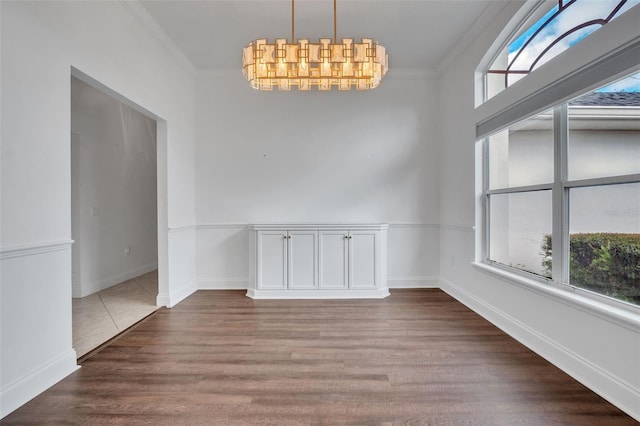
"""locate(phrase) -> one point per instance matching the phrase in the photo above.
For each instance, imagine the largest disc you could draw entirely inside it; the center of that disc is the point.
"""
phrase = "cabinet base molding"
(318, 294)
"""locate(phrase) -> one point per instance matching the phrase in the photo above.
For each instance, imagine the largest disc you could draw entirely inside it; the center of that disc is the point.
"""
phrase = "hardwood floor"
(416, 358)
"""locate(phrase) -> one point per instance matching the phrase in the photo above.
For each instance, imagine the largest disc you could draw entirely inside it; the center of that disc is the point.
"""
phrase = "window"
(562, 193)
(551, 29)
(520, 178)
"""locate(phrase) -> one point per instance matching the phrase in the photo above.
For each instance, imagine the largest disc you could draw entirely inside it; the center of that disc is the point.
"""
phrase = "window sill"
(626, 317)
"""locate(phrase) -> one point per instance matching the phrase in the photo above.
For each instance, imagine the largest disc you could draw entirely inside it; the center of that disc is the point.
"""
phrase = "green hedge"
(605, 263)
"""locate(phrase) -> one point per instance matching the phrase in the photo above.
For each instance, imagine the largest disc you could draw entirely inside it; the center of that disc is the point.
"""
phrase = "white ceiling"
(417, 34)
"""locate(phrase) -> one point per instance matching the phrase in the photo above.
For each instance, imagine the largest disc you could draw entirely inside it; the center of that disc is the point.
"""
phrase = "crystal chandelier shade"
(324, 65)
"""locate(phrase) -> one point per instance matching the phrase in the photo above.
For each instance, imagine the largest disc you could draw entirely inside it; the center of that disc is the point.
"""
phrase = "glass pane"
(519, 226)
(560, 30)
(550, 30)
(604, 227)
(523, 154)
(604, 131)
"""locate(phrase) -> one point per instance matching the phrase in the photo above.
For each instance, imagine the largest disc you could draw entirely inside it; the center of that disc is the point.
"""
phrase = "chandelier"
(323, 65)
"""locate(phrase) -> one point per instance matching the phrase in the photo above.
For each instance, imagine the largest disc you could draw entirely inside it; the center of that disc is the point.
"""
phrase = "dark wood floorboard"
(219, 358)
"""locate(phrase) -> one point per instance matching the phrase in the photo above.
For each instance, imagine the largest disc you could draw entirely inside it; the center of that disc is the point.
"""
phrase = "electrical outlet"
(127, 250)
(94, 211)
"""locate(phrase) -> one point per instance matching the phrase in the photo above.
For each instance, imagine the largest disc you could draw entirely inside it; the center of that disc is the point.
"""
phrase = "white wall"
(331, 157)
(40, 43)
(113, 201)
(571, 331)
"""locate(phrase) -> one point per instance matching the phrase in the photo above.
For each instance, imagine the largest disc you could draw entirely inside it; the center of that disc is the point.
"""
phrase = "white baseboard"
(618, 392)
(163, 299)
(37, 381)
(172, 299)
(318, 294)
(413, 282)
(225, 283)
(93, 287)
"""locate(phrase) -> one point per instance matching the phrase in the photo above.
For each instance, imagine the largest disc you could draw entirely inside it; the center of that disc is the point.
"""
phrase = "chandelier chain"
(292, 21)
(335, 25)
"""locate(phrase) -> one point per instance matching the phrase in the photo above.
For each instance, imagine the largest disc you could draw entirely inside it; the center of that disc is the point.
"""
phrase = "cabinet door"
(303, 255)
(333, 259)
(362, 259)
(272, 260)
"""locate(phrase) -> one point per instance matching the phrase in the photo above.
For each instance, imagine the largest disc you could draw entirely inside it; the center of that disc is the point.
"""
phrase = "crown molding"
(135, 8)
(493, 10)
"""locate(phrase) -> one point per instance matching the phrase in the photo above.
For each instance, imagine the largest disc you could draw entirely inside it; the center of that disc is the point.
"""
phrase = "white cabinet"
(362, 259)
(293, 261)
(302, 259)
(348, 259)
(272, 257)
(286, 259)
(334, 259)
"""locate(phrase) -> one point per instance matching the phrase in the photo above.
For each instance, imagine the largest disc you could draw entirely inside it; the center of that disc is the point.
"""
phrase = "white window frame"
(607, 55)
(559, 187)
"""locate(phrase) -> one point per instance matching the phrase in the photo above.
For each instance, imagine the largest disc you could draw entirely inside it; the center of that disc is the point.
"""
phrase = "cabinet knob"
(349, 236)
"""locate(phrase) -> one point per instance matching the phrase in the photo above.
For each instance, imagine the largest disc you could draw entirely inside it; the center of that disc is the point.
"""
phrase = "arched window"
(551, 29)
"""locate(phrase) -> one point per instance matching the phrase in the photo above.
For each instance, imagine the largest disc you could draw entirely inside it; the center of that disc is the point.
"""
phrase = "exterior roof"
(608, 99)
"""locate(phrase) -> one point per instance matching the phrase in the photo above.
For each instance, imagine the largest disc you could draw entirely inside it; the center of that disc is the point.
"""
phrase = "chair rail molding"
(34, 248)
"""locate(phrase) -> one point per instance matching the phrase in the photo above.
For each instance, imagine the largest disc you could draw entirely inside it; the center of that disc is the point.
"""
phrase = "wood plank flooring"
(219, 358)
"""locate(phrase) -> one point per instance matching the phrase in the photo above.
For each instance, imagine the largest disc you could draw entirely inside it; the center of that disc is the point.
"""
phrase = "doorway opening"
(114, 215)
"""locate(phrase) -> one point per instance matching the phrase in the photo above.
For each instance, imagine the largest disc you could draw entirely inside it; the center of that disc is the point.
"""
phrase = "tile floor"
(100, 316)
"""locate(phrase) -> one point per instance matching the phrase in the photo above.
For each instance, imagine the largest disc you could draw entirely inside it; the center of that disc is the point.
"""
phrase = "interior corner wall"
(316, 157)
(40, 43)
(113, 201)
(576, 339)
